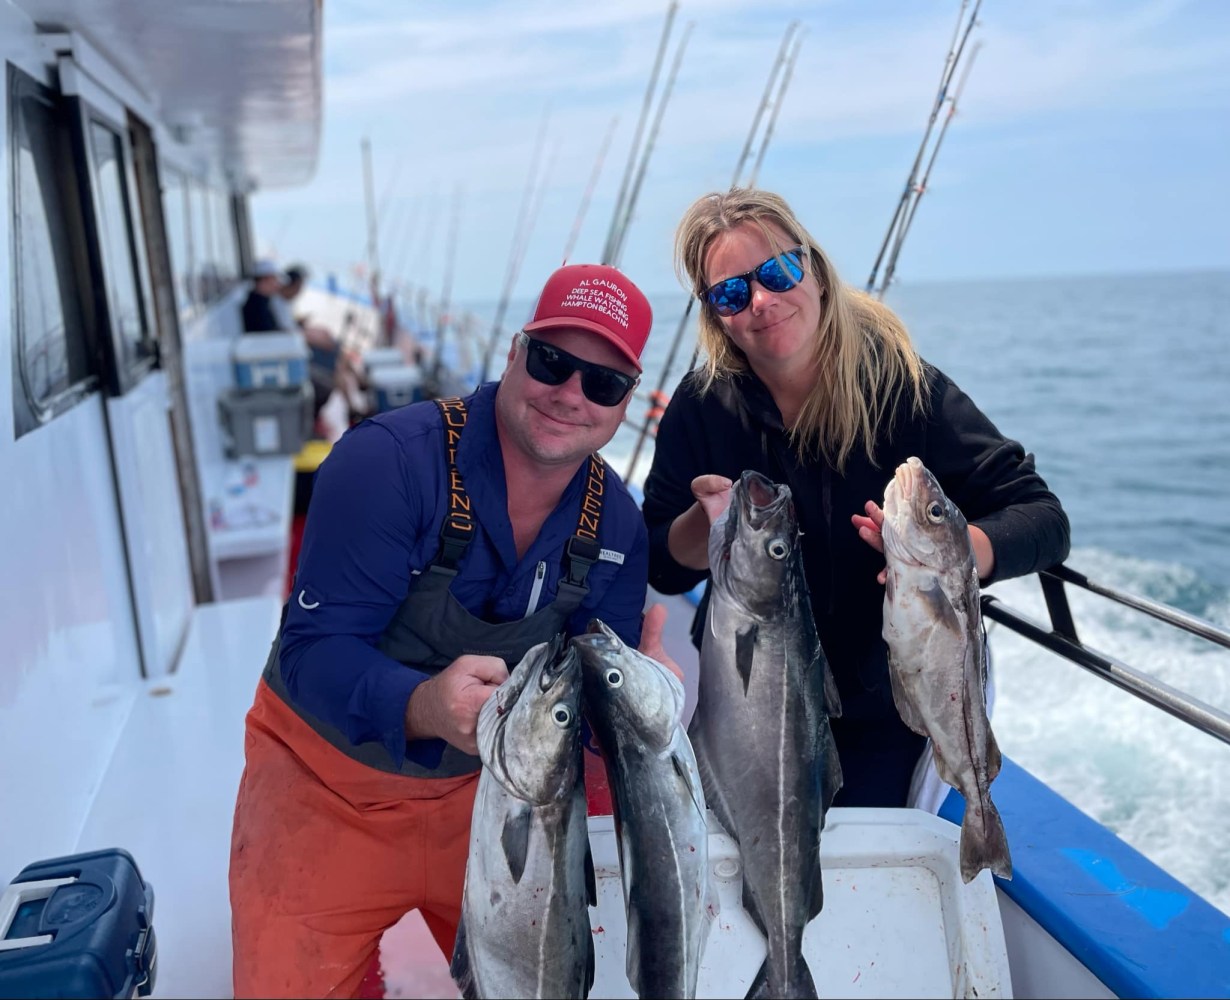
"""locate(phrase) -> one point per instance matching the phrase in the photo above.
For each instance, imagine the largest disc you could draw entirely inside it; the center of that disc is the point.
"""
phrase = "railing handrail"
(1061, 638)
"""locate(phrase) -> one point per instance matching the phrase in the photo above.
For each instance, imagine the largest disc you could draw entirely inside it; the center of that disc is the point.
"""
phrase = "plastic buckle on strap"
(455, 535)
(582, 554)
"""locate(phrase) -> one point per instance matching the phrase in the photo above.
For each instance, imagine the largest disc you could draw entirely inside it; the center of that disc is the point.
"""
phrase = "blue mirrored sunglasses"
(779, 273)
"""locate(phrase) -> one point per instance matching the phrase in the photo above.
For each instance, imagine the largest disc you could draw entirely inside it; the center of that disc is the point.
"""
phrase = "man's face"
(556, 425)
(268, 285)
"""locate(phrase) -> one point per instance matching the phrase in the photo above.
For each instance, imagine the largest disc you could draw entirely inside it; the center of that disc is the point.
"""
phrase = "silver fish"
(634, 705)
(933, 627)
(525, 929)
(761, 731)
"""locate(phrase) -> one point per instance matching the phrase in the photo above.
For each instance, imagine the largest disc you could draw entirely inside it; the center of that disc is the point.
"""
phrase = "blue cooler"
(394, 385)
(78, 926)
(270, 361)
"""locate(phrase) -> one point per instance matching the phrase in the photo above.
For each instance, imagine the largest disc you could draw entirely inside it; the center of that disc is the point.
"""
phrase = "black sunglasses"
(551, 366)
(779, 273)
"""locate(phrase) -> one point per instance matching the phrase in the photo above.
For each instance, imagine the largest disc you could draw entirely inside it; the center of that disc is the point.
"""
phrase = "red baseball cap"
(598, 299)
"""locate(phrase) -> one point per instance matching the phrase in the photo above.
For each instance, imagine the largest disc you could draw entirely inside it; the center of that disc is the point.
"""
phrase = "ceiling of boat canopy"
(239, 79)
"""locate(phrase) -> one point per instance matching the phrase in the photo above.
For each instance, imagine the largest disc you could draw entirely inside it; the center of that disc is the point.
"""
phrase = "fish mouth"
(760, 499)
(560, 660)
(898, 500)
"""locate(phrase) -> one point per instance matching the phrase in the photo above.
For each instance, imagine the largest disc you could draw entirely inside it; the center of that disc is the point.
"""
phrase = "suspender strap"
(458, 528)
(582, 550)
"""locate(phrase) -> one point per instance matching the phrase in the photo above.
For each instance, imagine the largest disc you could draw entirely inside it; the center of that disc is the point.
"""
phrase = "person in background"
(818, 386)
(260, 314)
(444, 539)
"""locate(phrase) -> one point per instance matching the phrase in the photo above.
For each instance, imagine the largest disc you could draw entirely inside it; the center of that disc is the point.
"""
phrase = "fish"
(525, 929)
(634, 705)
(764, 747)
(937, 660)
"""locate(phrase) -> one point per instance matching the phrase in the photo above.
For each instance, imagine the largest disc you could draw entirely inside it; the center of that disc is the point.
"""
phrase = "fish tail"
(984, 844)
(798, 984)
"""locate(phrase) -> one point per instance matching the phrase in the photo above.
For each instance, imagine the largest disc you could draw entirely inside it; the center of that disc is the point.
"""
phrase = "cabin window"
(179, 238)
(226, 248)
(202, 244)
(51, 368)
(119, 245)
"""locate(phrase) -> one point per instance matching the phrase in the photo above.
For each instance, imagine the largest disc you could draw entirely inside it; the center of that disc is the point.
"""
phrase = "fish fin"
(801, 983)
(832, 698)
(713, 796)
(459, 968)
(984, 844)
(753, 909)
(941, 607)
(591, 879)
(515, 839)
(685, 775)
(832, 778)
(905, 705)
(590, 964)
(745, 652)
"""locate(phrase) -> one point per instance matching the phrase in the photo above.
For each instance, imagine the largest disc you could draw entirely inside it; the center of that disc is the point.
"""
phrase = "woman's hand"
(713, 495)
(869, 531)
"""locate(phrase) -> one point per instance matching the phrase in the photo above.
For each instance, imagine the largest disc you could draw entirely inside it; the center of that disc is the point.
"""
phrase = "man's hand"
(651, 639)
(447, 705)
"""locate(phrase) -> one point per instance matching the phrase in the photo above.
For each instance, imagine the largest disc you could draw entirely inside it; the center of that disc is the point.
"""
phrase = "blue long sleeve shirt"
(377, 506)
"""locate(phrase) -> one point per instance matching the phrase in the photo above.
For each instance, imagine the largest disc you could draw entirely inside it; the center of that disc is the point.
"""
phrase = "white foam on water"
(1157, 782)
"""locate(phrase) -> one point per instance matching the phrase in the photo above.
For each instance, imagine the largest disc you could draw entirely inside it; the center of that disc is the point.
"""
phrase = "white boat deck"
(169, 793)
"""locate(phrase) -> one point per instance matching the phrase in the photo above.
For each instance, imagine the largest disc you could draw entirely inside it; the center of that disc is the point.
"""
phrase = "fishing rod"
(956, 47)
(617, 215)
(658, 397)
(446, 291)
(765, 100)
(514, 263)
(589, 190)
(373, 248)
(635, 193)
(921, 188)
(787, 73)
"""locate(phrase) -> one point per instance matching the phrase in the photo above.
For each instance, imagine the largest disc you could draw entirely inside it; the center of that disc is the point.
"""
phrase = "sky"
(1092, 136)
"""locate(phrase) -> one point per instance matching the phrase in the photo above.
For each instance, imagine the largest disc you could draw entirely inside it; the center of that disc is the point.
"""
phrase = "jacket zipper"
(536, 591)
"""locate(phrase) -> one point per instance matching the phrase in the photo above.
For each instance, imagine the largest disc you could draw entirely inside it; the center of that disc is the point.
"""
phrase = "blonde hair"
(866, 365)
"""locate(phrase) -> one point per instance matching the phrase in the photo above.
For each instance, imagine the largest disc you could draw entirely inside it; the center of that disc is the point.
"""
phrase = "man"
(261, 307)
(444, 539)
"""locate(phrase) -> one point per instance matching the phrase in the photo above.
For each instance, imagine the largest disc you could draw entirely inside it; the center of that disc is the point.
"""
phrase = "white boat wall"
(146, 569)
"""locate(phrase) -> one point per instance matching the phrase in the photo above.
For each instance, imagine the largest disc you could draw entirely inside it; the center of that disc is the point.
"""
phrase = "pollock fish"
(634, 705)
(937, 662)
(764, 748)
(525, 929)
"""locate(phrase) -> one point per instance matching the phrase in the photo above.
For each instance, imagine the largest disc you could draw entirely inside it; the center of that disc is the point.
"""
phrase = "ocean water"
(1120, 386)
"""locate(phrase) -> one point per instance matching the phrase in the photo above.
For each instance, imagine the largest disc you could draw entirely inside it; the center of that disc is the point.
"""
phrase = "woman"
(818, 386)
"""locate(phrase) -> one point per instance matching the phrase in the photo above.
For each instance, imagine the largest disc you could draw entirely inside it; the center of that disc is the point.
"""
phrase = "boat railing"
(1061, 638)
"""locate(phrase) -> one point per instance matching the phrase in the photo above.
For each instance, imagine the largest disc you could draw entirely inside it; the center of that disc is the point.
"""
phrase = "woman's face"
(777, 329)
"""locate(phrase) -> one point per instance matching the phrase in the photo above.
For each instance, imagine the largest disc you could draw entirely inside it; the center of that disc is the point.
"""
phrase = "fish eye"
(935, 512)
(777, 549)
(561, 715)
(614, 677)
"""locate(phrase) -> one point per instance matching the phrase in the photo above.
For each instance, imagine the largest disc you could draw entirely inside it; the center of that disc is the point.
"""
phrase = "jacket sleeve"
(353, 573)
(679, 455)
(995, 484)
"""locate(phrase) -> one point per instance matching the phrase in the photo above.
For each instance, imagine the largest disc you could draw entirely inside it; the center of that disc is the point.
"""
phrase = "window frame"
(30, 410)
